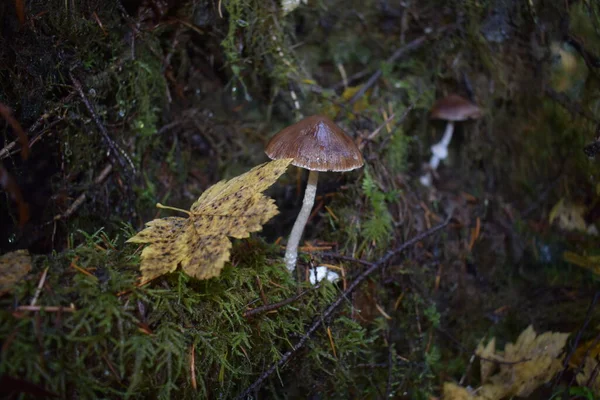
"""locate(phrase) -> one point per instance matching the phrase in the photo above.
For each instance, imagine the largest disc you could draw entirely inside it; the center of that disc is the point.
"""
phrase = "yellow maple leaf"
(13, 267)
(199, 243)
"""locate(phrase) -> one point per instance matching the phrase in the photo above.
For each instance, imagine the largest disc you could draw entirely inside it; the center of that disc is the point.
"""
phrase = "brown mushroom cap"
(455, 108)
(316, 143)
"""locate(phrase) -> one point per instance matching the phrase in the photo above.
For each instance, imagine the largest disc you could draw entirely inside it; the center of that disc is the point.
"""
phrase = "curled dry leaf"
(199, 243)
(588, 349)
(452, 391)
(13, 267)
(488, 352)
(590, 262)
(590, 375)
(526, 364)
(570, 216)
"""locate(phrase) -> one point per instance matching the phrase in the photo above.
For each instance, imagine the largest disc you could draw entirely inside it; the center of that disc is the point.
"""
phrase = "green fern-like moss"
(379, 223)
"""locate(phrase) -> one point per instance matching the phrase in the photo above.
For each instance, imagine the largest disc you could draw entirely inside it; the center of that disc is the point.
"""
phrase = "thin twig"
(346, 258)
(6, 113)
(415, 44)
(388, 387)
(10, 150)
(173, 47)
(38, 291)
(378, 365)
(262, 292)
(336, 303)
(47, 308)
(193, 367)
(81, 198)
(591, 60)
(6, 151)
(468, 369)
(351, 79)
(380, 127)
(593, 375)
(117, 154)
(575, 343)
(275, 306)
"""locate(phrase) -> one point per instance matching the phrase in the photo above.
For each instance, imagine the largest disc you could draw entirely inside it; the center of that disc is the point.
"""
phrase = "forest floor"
(110, 107)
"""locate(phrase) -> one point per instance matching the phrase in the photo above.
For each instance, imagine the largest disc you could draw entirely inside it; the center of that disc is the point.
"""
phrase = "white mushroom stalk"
(291, 251)
(439, 152)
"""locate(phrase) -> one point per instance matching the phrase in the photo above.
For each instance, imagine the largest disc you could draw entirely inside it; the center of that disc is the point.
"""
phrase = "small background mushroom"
(452, 108)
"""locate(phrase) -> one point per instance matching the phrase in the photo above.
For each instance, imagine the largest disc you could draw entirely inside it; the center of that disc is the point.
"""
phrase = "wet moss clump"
(176, 337)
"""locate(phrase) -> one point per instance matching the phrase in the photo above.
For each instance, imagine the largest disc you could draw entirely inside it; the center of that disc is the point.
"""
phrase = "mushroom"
(452, 108)
(317, 144)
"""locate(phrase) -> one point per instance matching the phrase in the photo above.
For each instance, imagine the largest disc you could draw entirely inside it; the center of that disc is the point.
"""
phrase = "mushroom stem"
(291, 251)
(439, 152)
(448, 133)
(440, 149)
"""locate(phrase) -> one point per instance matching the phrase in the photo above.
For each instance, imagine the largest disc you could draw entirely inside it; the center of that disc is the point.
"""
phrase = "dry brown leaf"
(491, 391)
(528, 345)
(589, 349)
(590, 375)
(589, 262)
(536, 361)
(569, 216)
(13, 267)
(452, 391)
(526, 364)
(199, 243)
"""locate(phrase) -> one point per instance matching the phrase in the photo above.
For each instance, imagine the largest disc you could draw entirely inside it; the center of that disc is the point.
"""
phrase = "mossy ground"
(190, 93)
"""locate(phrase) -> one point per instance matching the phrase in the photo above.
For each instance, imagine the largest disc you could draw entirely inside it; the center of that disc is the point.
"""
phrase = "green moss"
(397, 151)
(378, 225)
(133, 341)
(256, 47)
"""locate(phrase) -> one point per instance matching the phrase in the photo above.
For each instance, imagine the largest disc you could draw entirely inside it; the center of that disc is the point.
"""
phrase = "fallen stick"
(275, 306)
(333, 306)
(415, 44)
(47, 308)
(116, 154)
(81, 198)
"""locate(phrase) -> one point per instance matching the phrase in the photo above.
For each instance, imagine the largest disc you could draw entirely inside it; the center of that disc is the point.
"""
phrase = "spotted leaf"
(200, 243)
